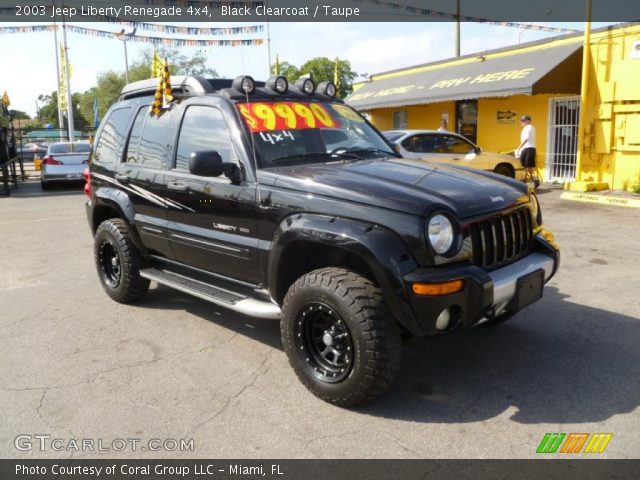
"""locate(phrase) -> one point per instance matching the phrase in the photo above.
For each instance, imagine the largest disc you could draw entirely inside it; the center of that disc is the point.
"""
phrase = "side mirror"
(207, 163)
(477, 150)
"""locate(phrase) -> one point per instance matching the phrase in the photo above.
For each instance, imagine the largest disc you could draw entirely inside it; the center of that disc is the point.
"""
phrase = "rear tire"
(45, 185)
(505, 170)
(340, 340)
(118, 262)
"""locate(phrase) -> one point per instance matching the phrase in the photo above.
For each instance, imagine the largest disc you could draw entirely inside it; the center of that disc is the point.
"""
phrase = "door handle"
(122, 178)
(178, 186)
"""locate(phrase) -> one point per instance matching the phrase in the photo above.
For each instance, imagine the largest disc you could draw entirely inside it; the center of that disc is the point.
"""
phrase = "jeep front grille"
(503, 239)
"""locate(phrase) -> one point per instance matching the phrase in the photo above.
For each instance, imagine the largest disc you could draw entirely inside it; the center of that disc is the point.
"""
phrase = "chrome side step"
(219, 296)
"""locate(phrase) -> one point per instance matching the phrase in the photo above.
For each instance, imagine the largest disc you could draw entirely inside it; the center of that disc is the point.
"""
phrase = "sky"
(27, 63)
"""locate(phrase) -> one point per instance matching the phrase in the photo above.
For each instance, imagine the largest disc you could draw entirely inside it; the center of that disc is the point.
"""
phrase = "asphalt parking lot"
(74, 364)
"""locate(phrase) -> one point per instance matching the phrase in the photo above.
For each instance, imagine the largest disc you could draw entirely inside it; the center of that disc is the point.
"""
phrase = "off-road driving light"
(440, 233)
(306, 85)
(278, 84)
(244, 84)
(328, 89)
(444, 320)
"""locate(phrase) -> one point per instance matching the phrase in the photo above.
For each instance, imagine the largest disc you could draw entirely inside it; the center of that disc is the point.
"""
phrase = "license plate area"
(528, 290)
(74, 176)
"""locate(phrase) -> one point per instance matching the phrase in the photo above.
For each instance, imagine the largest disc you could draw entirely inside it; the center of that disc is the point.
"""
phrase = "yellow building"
(483, 95)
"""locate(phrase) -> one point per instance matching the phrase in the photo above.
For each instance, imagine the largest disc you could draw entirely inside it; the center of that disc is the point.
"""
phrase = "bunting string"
(175, 29)
(426, 12)
(179, 42)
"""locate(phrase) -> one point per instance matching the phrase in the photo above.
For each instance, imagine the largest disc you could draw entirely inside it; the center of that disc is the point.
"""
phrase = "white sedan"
(454, 149)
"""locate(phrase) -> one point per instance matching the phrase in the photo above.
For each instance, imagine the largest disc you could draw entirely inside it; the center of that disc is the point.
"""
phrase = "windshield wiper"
(387, 153)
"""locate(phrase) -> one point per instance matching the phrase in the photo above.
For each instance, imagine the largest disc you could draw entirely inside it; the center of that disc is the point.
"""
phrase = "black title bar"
(319, 10)
(549, 469)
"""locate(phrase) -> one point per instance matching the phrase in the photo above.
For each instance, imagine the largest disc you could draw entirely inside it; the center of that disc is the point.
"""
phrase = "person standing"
(443, 125)
(527, 149)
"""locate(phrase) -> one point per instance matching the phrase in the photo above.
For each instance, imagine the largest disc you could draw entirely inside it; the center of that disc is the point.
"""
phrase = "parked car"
(452, 149)
(280, 201)
(30, 151)
(64, 162)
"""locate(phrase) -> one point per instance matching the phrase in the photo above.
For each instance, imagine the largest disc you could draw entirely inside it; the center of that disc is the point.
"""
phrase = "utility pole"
(457, 48)
(586, 59)
(67, 77)
(124, 37)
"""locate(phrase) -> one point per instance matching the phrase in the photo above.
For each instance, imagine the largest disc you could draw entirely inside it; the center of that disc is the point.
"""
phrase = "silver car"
(64, 162)
(451, 148)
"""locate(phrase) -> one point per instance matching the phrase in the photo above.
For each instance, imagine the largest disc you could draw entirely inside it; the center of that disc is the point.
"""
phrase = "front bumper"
(485, 294)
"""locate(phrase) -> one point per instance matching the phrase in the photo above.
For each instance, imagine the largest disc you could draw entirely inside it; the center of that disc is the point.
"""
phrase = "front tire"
(118, 262)
(339, 338)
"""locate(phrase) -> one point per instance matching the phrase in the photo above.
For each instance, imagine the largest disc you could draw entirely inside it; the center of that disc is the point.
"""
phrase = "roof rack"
(182, 84)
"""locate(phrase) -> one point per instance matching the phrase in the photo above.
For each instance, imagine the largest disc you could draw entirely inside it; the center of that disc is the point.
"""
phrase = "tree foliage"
(109, 84)
(322, 69)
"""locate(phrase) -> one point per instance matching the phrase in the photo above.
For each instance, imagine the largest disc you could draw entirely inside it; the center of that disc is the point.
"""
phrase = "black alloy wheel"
(110, 265)
(324, 342)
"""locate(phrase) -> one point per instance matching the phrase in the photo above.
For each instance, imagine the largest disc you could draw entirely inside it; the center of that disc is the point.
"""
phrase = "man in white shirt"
(443, 125)
(527, 149)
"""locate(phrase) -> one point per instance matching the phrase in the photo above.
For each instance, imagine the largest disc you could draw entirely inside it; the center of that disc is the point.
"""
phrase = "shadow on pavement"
(556, 362)
(32, 189)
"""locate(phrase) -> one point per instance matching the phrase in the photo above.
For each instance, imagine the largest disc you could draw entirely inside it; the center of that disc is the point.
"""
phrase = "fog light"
(443, 320)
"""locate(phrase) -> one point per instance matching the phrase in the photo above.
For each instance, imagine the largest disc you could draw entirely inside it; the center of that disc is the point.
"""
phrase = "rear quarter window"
(109, 143)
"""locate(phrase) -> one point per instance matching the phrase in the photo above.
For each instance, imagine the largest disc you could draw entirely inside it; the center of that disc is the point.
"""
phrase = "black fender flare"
(121, 203)
(383, 251)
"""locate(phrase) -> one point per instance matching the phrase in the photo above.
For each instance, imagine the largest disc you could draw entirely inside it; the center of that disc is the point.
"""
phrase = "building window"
(400, 119)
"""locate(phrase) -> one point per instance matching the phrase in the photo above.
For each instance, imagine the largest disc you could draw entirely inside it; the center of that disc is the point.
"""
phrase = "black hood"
(409, 186)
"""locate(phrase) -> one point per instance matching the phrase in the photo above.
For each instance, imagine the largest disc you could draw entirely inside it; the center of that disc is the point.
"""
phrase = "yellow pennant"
(5, 99)
(163, 96)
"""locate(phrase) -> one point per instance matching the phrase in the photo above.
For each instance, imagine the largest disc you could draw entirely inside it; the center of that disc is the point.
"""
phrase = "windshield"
(70, 147)
(306, 132)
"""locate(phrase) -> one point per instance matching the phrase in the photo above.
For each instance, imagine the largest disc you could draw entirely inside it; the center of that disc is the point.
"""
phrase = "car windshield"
(70, 148)
(308, 132)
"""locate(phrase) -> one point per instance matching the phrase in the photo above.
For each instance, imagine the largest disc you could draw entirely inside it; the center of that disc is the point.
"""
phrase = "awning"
(554, 69)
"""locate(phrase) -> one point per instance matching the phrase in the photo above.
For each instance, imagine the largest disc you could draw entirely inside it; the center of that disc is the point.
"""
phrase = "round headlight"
(535, 208)
(328, 89)
(440, 233)
(278, 84)
(306, 85)
(244, 84)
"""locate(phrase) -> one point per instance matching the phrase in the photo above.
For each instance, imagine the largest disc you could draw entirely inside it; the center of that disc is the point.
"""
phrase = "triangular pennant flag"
(163, 94)
(5, 99)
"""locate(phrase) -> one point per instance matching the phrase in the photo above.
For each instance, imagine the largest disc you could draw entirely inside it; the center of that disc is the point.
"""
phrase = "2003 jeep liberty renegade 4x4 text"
(279, 201)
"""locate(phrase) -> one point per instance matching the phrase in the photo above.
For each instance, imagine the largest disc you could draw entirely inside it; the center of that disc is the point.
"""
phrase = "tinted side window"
(203, 128)
(150, 148)
(112, 136)
(134, 138)
(457, 145)
(422, 144)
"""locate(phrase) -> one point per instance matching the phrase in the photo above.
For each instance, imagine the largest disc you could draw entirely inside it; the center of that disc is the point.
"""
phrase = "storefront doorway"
(564, 113)
(467, 119)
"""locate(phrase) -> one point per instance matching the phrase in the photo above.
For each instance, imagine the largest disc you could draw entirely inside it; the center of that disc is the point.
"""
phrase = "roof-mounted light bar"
(244, 84)
(278, 84)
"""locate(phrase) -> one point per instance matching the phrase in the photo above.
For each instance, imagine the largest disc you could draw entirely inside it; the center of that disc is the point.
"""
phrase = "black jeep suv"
(280, 201)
